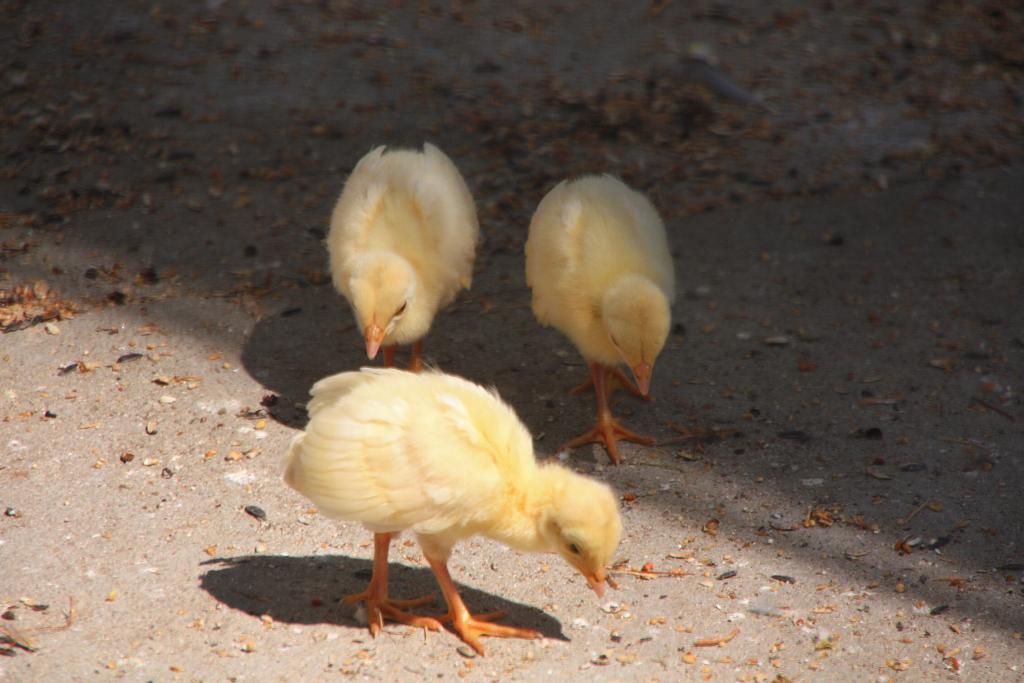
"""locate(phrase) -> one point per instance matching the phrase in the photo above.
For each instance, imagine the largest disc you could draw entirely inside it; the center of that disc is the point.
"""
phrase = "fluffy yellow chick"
(446, 459)
(598, 263)
(402, 241)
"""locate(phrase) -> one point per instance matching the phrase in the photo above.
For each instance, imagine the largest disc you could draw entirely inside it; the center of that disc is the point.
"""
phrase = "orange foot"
(378, 607)
(470, 628)
(609, 432)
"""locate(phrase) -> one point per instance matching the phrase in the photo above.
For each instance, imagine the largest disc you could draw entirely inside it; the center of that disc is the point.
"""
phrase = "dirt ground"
(836, 490)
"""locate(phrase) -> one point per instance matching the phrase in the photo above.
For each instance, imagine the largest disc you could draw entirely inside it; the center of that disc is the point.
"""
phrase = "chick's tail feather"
(291, 470)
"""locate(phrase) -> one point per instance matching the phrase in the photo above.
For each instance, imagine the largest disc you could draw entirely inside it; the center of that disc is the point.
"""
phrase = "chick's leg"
(416, 364)
(607, 430)
(620, 377)
(470, 628)
(389, 356)
(378, 604)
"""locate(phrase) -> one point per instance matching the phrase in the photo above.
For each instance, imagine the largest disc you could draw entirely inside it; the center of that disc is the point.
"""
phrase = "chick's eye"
(574, 549)
(401, 309)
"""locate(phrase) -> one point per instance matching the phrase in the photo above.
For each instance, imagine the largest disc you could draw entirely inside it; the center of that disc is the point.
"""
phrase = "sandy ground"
(836, 490)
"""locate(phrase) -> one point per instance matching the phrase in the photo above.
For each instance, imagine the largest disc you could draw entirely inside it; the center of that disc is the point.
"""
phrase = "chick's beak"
(374, 335)
(596, 584)
(642, 373)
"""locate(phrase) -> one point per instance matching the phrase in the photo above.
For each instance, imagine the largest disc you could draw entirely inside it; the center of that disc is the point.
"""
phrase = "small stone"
(166, 400)
(778, 340)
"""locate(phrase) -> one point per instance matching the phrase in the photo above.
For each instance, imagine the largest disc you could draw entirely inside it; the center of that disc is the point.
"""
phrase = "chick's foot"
(609, 432)
(381, 607)
(471, 628)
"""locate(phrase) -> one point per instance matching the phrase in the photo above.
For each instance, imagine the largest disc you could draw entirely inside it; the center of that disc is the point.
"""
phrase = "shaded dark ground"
(167, 171)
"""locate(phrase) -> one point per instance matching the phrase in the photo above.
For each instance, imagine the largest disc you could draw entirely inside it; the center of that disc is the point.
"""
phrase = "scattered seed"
(935, 611)
(256, 512)
(129, 357)
(151, 427)
(51, 328)
(289, 312)
(166, 399)
(726, 575)
(783, 578)
(167, 473)
(127, 457)
(50, 414)
(710, 527)
(67, 369)
(913, 467)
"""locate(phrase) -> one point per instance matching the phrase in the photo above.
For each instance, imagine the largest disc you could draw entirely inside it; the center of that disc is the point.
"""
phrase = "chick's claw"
(377, 609)
(471, 628)
(609, 432)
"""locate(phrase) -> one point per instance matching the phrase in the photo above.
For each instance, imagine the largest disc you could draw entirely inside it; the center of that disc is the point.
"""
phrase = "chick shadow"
(308, 590)
(309, 336)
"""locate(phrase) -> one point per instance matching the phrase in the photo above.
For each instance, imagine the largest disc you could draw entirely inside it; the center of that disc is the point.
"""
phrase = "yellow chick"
(446, 459)
(402, 241)
(598, 262)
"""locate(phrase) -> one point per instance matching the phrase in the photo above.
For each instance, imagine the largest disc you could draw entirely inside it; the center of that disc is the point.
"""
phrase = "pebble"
(778, 340)
(165, 399)
(240, 477)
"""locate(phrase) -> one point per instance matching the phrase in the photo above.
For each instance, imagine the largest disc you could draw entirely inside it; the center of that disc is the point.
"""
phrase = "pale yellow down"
(403, 233)
(598, 262)
(446, 459)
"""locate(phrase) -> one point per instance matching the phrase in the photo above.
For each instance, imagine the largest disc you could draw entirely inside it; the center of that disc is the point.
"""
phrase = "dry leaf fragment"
(898, 664)
(944, 364)
(718, 640)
